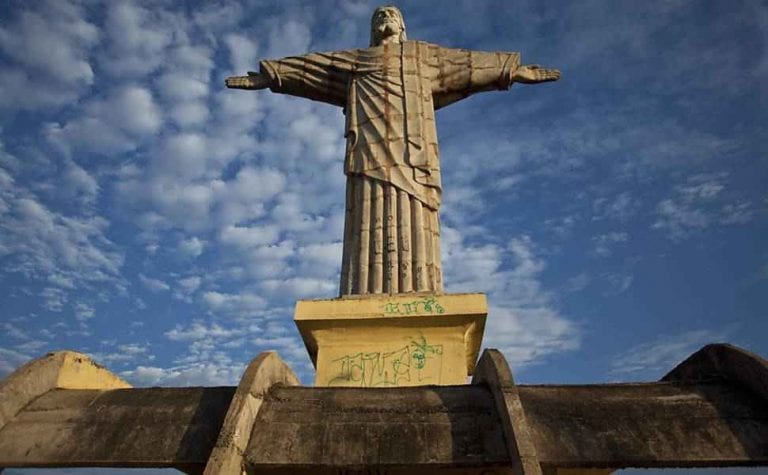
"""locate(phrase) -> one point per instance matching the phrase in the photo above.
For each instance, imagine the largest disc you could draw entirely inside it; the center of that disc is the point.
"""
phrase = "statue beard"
(387, 30)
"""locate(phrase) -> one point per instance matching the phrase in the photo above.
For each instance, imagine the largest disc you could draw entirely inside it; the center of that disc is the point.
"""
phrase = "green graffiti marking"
(425, 305)
(421, 350)
(402, 366)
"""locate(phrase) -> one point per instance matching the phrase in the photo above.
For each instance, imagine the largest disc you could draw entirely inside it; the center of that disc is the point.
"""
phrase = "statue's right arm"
(253, 80)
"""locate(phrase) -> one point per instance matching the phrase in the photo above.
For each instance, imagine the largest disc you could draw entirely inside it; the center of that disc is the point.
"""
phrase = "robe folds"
(389, 94)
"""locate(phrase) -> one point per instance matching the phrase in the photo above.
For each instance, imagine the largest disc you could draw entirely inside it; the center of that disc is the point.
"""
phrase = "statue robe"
(389, 94)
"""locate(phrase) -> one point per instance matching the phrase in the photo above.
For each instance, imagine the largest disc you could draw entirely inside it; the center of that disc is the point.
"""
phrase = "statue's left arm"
(460, 73)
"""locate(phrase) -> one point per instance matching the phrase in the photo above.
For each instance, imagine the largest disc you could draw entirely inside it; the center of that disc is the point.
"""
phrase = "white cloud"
(241, 305)
(53, 299)
(736, 213)
(45, 244)
(200, 374)
(192, 247)
(155, 285)
(301, 287)
(136, 39)
(247, 237)
(11, 360)
(190, 284)
(288, 38)
(125, 353)
(110, 125)
(621, 207)
(242, 53)
(620, 282)
(657, 357)
(699, 204)
(522, 320)
(79, 183)
(199, 331)
(83, 311)
(52, 40)
(320, 259)
(605, 242)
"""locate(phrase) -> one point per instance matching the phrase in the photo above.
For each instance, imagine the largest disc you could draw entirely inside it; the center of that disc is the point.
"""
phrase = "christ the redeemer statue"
(389, 93)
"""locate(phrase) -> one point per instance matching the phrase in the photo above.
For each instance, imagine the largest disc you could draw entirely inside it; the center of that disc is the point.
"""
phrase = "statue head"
(387, 25)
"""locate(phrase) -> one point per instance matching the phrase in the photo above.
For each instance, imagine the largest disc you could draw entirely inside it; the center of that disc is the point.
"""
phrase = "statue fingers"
(548, 74)
(239, 82)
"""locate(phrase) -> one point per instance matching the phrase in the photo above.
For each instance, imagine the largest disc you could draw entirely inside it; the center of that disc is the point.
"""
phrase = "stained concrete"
(710, 411)
(349, 427)
(646, 425)
(147, 427)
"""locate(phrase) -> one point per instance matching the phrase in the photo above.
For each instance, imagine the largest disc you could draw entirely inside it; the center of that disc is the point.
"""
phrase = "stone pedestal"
(393, 340)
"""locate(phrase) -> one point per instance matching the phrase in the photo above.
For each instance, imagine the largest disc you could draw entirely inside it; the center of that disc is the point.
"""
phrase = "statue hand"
(533, 73)
(251, 81)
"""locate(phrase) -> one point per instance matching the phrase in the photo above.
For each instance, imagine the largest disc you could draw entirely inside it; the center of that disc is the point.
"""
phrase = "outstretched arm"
(253, 80)
(533, 74)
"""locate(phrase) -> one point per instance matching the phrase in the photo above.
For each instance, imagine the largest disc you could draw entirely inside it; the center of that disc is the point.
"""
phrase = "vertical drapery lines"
(394, 241)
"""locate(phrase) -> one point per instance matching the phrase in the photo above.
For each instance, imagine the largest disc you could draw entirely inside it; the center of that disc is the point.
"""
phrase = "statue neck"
(393, 38)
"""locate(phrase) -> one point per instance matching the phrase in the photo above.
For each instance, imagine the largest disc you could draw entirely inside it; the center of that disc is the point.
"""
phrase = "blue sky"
(165, 225)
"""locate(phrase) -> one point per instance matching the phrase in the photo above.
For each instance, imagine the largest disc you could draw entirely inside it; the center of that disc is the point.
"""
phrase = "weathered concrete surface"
(493, 371)
(574, 429)
(711, 412)
(723, 362)
(647, 425)
(61, 369)
(265, 371)
(147, 427)
(356, 428)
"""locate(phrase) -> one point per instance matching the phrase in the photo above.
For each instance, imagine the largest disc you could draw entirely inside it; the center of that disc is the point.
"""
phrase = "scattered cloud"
(192, 247)
(155, 285)
(697, 205)
(605, 242)
(125, 165)
(239, 305)
(653, 359)
(523, 320)
(84, 311)
(51, 39)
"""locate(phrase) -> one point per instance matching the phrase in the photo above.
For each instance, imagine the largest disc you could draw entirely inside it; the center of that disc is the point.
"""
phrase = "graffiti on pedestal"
(415, 363)
(425, 305)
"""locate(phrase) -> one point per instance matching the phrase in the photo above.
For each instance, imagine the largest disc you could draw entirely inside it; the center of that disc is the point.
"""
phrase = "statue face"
(387, 23)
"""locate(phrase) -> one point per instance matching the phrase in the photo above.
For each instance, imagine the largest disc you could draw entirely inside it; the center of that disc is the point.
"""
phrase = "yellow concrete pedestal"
(393, 340)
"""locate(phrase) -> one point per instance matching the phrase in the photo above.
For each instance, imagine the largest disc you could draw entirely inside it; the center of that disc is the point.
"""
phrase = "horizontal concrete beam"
(710, 411)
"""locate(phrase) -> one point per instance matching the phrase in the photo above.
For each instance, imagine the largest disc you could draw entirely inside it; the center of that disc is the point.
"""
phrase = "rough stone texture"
(265, 371)
(389, 93)
(493, 371)
(355, 428)
(393, 340)
(723, 362)
(147, 427)
(646, 425)
(61, 369)
(721, 420)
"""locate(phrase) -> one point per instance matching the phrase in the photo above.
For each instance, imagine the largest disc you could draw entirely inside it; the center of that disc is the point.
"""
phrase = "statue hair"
(402, 23)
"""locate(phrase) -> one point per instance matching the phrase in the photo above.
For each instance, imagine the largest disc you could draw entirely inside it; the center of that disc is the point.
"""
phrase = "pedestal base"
(393, 340)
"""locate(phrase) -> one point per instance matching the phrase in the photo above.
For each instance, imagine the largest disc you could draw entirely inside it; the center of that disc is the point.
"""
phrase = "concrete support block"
(57, 370)
(493, 371)
(265, 371)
